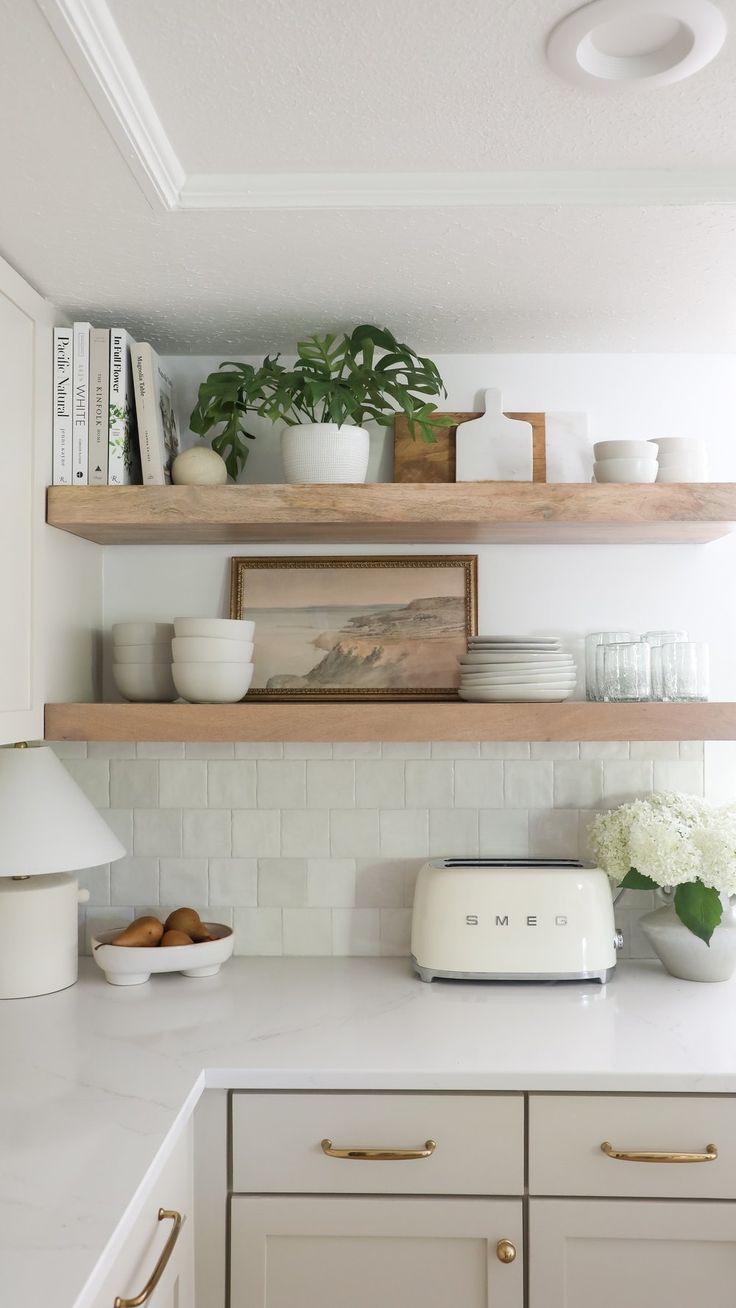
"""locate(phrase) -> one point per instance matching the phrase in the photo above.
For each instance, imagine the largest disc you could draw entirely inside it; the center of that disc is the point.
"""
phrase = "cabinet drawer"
(478, 1143)
(566, 1133)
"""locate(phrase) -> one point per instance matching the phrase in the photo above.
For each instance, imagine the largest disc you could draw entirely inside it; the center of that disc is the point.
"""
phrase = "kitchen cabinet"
(50, 594)
(638, 1254)
(157, 1248)
(335, 1201)
(396, 1252)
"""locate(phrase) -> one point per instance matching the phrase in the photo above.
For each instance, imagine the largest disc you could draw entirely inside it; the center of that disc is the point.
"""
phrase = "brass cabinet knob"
(505, 1251)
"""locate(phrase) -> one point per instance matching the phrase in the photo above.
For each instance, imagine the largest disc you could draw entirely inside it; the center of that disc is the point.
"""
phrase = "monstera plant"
(335, 385)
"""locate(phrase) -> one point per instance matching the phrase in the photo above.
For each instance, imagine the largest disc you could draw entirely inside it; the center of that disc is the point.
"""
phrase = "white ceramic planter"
(317, 452)
(686, 956)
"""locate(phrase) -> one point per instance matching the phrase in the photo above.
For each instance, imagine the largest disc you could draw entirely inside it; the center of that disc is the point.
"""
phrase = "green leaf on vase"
(699, 908)
(637, 881)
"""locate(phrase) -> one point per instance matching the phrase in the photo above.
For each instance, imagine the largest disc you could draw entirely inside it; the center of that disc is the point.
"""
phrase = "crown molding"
(458, 190)
(95, 47)
(89, 36)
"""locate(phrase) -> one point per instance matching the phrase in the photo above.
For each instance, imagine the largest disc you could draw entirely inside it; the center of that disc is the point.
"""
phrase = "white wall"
(564, 588)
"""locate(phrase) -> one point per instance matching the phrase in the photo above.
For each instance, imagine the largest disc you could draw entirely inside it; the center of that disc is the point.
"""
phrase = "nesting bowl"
(144, 682)
(206, 649)
(212, 683)
(217, 628)
(627, 471)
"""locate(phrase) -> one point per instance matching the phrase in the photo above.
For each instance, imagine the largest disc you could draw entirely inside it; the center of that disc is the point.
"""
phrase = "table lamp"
(48, 830)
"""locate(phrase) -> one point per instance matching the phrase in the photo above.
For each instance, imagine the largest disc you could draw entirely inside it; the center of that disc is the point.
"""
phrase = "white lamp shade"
(47, 824)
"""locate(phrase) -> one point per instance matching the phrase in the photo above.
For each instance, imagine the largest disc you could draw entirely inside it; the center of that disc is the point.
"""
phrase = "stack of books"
(114, 420)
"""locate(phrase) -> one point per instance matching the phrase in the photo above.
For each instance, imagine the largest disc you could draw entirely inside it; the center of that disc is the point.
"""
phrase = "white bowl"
(142, 653)
(125, 965)
(681, 470)
(212, 683)
(150, 683)
(219, 628)
(627, 471)
(623, 450)
(141, 633)
(669, 445)
(205, 649)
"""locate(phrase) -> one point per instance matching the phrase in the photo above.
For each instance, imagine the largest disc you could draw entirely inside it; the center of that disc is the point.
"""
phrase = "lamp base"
(38, 934)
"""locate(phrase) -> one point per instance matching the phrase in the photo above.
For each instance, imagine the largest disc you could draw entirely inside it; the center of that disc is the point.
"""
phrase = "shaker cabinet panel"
(396, 1253)
(476, 1143)
(566, 1133)
(143, 1248)
(616, 1254)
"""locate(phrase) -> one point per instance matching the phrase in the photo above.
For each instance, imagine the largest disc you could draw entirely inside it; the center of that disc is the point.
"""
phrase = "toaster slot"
(510, 862)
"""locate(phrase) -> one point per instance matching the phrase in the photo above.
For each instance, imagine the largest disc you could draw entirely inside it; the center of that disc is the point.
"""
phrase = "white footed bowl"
(627, 471)
(125, 965)
(206, 649)
(623, 450)
(212, 683)
(143, 653)
(220, 628)
(142, 633)
(149, 683)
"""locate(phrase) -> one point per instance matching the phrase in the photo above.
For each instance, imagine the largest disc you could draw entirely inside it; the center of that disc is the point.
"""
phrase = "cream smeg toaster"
(489, 919)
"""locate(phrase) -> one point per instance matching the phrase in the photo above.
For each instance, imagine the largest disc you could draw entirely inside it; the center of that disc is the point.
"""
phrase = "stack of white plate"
(516, 669)
(141, 660)
(213, 659)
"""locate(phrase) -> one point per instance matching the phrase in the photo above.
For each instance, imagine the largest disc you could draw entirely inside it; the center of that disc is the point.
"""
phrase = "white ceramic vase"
(317, 452)
(687, 956)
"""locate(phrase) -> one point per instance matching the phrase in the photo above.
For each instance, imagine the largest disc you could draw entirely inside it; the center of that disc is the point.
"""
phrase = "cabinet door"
(638, 1254)
(25, 385)
(137, 1249)
(396, 1253)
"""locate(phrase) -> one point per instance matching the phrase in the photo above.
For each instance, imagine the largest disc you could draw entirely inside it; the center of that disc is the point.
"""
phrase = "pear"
(189, 921)
(175, 938)
(144, 931)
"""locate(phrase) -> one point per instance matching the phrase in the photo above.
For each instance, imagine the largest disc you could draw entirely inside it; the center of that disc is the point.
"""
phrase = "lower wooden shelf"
(390, 721)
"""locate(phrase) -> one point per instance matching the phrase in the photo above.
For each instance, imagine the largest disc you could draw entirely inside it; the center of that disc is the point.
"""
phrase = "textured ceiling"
(353, 85)
(262, 92)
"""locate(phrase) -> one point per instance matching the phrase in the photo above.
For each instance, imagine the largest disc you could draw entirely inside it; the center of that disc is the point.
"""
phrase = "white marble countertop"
(94, 1080)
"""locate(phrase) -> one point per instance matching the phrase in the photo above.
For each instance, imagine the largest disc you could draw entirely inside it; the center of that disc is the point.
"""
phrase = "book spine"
(123, 458)
(61, 473)
(99, 381)
(80, 427)
(150, 427)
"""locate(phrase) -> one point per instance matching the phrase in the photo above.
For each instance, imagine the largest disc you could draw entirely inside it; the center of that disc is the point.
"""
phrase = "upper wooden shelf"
(395, 513)
(390, 721)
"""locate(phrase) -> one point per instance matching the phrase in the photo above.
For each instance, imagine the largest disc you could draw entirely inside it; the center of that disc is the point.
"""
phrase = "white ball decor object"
(199, 466)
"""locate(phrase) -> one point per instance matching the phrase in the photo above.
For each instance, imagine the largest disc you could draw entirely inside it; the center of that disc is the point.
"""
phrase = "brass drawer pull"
(653, 1156)
(160, 1267)
(379, 1155)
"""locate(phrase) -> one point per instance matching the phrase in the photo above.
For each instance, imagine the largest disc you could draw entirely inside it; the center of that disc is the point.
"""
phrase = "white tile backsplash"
(315, 848)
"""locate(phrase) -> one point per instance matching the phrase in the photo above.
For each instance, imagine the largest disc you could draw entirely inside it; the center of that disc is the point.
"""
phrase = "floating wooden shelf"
(390, 721)
(467, 513)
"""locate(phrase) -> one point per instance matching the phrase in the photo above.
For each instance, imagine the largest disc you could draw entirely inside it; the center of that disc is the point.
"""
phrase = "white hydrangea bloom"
(671, 838)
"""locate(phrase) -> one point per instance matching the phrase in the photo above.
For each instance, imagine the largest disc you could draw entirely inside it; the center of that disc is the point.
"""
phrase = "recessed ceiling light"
(618, 43)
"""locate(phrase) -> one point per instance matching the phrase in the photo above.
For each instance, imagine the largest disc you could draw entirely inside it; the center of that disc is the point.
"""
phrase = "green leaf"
(699, 908)
(637, 881)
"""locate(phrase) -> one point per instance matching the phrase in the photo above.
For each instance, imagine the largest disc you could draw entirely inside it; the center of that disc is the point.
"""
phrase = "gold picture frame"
(415, 631)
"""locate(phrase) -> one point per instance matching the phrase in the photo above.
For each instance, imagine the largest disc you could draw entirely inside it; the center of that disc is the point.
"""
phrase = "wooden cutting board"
(417, 460)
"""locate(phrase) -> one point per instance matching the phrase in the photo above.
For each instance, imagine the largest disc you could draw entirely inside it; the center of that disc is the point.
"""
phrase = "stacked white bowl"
(141, 664)
(681, 458)
(516, 669)
(625, 461)
(213, 659)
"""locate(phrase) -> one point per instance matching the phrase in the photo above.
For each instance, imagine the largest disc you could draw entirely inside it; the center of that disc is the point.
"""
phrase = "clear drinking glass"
(623, 670)
(592, 642)
(656, 639)
(685, 670)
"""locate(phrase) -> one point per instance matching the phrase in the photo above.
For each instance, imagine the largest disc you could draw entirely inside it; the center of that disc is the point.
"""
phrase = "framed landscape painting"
(357, 628)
